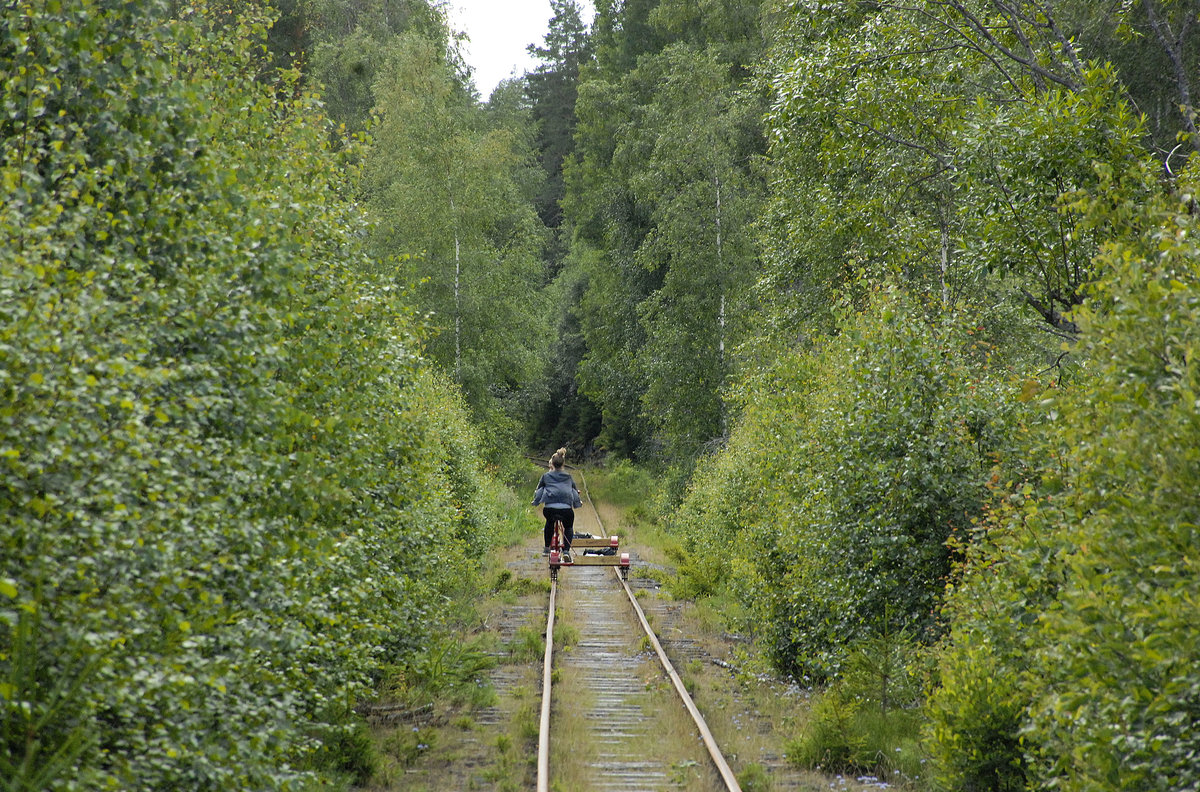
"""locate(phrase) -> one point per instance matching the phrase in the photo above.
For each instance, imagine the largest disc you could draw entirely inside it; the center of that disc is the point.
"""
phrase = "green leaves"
(230, 489)
(1076, 604)
(975, 415)
(1129, 519)
(664, 192)
(853, 464)
(912, 140)
(453, 193)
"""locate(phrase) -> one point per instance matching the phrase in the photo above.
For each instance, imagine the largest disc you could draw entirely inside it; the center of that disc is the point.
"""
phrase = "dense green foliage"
(947, 165)
(895, 301)
(343, 45)
(853, 464)
(454, 193)
(1115, 649)
(942, 179)
(660, 198)
(962, 217)
(1072, 631)
(231, 491)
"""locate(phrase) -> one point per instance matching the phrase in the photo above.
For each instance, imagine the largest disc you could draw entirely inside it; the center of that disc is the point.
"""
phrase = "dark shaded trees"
(658, 199)
(553, 88)
(340, 46)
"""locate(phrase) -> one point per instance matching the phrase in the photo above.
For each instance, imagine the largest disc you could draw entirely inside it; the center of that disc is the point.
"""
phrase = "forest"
(896, 301)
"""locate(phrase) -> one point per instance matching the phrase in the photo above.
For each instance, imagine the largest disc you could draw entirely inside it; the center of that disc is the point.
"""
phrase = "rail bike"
(585, 550)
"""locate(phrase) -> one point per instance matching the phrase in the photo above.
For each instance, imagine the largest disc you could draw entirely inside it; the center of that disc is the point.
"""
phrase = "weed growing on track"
(566, 635)
(527, 645)
(516, 748)
(755, 778)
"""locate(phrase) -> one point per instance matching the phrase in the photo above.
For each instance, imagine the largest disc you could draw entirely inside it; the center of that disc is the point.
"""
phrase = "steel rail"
(710, 742)
(543, 776)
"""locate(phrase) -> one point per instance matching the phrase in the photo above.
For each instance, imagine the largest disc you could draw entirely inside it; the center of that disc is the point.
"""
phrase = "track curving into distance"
(620, 702)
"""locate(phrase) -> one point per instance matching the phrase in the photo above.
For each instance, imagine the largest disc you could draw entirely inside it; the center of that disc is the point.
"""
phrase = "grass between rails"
(479, 737)
(649, 728)
(570, 749)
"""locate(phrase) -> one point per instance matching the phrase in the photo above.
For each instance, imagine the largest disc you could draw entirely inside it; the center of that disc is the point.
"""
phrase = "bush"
(976, 720)
(347, 750)
(830, 741)
(624, 484)
(868, 721)
(229, 488)
(845, 737)
(1070, 664)
(1117, 685)
(851, 467)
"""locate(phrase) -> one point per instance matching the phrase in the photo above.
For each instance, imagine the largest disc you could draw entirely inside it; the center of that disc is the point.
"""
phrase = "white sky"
(499, 32)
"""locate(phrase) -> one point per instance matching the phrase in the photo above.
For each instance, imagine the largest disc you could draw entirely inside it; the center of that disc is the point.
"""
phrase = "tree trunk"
(720, 272)
(945, 264)
(457, 293)
(1172, 43)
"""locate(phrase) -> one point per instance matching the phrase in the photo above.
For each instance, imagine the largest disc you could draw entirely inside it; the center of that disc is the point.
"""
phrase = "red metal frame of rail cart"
(578, 555)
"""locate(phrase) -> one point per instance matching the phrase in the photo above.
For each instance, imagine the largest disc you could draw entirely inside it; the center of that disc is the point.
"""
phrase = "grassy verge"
(439, 722)
(768, 728)
(570, 751)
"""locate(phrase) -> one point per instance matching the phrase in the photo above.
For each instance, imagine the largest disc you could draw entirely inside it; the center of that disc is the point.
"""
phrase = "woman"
(558, 492)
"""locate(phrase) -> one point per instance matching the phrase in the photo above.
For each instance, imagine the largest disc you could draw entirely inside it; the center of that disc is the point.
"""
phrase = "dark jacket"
(558, 491)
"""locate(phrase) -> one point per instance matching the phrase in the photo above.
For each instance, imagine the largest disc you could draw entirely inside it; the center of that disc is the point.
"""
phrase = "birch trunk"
(457, 293)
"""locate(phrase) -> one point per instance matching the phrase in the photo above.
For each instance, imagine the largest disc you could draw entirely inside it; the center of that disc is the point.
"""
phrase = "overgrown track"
(601, 663)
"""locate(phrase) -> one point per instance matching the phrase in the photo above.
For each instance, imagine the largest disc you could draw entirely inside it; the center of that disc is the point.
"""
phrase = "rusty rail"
(543, 776)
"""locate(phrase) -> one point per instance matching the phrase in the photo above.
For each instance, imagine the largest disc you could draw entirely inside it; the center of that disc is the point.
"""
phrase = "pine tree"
(553, 88)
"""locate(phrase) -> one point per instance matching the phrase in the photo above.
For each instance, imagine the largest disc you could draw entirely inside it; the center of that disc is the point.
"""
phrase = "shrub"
(1117, 687)
(976, 720)
(851, 467)
(625, 484)
(830, 741)
(868, 720)
(347, 750)
(1070, 661)
(229, 488)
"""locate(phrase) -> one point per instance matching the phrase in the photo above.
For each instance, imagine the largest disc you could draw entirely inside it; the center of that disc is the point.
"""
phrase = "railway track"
(603, 665)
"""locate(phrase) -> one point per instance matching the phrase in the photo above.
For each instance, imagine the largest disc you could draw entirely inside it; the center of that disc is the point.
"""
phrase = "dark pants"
(568, 520)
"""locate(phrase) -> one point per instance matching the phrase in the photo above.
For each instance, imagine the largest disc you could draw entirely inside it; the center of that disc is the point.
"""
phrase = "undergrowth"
(868, 721)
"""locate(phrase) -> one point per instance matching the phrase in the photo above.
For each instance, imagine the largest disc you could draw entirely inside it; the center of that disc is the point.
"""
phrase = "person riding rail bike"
(557, 491)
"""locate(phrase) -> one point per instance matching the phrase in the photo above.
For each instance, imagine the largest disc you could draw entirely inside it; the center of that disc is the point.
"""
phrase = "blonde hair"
(559, 459)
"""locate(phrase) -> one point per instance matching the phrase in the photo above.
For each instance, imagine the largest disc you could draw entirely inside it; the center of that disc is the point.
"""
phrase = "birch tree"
(939, 140)
(660, 197)
(699, 179)
(451, 196)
